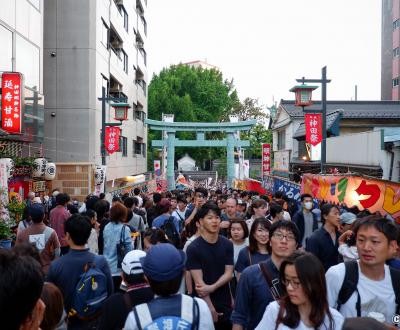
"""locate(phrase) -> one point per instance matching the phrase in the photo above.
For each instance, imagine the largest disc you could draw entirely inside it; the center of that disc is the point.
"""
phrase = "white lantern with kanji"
(39, 167)
(99, 175)
(50, 172)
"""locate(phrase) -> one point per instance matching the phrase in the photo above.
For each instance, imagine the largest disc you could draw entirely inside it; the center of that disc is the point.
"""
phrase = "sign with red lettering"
(112, 139)
(266, 159)
(11, 102)
(313, 123)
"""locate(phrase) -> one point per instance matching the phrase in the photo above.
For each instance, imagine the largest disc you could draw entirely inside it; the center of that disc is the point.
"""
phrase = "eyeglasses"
(199, 195)
(280, 237)
(294, 284)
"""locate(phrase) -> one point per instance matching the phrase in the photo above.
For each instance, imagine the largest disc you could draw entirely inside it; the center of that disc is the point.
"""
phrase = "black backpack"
(170, 230)
(350, 285)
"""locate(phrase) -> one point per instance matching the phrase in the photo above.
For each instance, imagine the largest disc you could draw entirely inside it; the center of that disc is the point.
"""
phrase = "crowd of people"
(202, 259)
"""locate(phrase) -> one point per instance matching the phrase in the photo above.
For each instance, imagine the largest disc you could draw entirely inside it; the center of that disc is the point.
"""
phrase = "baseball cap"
(163, 262)
(36, 211)
(131, 264)
(347, 218)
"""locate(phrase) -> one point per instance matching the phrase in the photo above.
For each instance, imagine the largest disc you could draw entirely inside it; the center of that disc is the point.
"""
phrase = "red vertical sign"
(313, 123)
(11, 102)
(112, 139)
(266, 159)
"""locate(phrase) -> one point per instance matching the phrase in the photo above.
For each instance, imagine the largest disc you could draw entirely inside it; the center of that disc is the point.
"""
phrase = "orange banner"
(372, 194)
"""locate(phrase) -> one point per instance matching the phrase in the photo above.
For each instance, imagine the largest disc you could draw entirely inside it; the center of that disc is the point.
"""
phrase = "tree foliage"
(257, 136)
(247, 110)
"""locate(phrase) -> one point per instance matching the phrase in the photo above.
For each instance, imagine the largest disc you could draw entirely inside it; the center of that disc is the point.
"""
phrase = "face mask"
(308, 205)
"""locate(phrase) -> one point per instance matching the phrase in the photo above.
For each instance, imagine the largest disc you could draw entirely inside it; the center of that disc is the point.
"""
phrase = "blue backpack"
(178, 312)
(90, 292)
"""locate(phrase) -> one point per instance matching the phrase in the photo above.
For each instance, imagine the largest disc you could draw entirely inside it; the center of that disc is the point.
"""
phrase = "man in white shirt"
(376, 282)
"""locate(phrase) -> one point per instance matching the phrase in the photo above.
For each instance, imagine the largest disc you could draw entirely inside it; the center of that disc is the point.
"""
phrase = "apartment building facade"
(21, 39)
(89, 45)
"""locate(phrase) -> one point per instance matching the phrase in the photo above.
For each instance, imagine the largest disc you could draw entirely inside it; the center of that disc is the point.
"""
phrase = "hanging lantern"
(39, 167)
(303, 95)
(99, 176)
(9, 166)
(50, 173)
(121, 111)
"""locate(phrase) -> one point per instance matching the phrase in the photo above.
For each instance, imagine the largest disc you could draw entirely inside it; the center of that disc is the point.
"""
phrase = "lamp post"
(303, 99)
(121, 109)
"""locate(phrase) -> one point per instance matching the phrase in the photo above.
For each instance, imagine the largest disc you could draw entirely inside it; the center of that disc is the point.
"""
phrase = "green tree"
(257, 136)
(247, 110)
(192, 95)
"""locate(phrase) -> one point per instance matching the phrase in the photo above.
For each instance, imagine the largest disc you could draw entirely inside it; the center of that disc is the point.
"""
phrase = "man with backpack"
(83, 278)
(42, 237)
(260, 284)
(163, 267)
(358, 288)
(168, 223)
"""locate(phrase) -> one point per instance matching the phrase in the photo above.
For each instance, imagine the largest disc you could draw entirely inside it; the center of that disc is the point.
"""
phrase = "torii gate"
(200, 128)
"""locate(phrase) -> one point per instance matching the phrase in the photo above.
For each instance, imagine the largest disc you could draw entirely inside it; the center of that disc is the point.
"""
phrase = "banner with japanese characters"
(112, 139)
(365, 193)
(313, 123)
(11, 102)
(266, 159)
(157, 167)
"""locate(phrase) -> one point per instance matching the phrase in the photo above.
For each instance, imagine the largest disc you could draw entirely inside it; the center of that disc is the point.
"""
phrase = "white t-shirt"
(268, 320)
(375, 296)
(237, 248)
(205, 321)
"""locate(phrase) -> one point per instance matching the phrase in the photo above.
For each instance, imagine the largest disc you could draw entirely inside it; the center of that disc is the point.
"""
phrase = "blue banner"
(290, 189)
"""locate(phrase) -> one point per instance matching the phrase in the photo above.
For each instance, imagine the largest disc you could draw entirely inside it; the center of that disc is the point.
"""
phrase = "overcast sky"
(264, 45)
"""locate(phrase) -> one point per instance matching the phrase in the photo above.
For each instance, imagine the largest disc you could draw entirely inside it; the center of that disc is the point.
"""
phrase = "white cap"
(36, 200)
(131, 264)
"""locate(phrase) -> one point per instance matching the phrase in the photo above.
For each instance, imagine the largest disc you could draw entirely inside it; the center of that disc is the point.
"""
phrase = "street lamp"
(303, 99)
(121, 113)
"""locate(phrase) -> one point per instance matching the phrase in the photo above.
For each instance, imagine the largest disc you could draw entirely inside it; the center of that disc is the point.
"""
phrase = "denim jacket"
(112, 235)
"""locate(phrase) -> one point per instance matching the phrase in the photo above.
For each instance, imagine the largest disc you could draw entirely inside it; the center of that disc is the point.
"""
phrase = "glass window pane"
(27, 62)
(6, 49)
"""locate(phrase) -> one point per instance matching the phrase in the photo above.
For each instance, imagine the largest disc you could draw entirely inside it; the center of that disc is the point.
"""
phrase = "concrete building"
(21, 39)
(387, 54)
(87, 45)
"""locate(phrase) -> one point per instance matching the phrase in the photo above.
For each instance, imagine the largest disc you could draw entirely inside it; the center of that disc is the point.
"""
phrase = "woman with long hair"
(258, 209)
(304, 303)
(257, 250)
(238, 234)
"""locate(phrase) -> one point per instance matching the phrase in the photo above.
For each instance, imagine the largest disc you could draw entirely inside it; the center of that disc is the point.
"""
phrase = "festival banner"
(157, 167)
(112, 139)
(266, 160)
(11, 102)
(249, 185)
(372, 194)
(290, 189)
(313, 123)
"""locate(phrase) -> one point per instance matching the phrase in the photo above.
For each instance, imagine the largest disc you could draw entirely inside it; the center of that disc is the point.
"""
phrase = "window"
(395, 82)
(396, 24)
(27, 61)
(138, 148)
(104, 83)
(396, 52)
(125, 61)
(6, 49)
(123, 146)
(144, 149)
(124, 14)
(104, 34)
(144, 55)
(281, 140)
(144, 25)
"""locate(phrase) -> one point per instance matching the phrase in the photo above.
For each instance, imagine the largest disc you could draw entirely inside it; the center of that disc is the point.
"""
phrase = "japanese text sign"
(266, 159)
(372, 194)
(11, 102)
(313, 123)
(112, 139)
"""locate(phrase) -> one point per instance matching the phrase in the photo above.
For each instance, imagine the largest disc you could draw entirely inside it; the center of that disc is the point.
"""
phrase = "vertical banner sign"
(112, 139)
(11, 102)
(266, 159)
(313, 123)
(157, 167)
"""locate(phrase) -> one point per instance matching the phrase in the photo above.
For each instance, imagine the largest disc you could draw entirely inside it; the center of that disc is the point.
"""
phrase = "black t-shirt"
(115, 309)
(212, 259)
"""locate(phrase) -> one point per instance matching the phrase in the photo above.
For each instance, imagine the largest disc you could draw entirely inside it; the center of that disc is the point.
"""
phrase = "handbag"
(121, 249)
